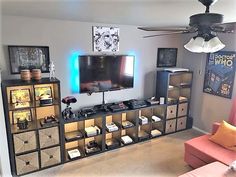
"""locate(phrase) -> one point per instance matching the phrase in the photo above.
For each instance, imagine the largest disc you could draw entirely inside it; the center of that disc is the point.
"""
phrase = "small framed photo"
(42, 91)
(28, 57)
(21, 115)
(166, 57)
(20, 96)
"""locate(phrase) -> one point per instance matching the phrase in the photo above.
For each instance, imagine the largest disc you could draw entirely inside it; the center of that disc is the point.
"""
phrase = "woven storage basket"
(24, 142)
(51, 156)
(27, 163)
(48, 137)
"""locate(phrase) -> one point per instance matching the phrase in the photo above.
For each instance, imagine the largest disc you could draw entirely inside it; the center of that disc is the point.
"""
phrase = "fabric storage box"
(51, 156)
(171, 111)
(48, 137)
(27, 163)
(181, 123)
(182, 109)
(170, 126)
(24, 142)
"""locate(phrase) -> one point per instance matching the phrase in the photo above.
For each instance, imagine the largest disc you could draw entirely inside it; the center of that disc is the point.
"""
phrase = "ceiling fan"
(206, 25)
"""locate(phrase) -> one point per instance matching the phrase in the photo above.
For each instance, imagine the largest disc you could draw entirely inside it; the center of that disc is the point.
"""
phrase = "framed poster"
(106, 39)
(20, 96)
(21, 114)
(219, 74)
(41, 91)
(28, 57)
(166, 57)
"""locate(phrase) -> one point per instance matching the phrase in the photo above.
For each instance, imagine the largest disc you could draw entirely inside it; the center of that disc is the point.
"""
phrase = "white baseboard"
(200, 130)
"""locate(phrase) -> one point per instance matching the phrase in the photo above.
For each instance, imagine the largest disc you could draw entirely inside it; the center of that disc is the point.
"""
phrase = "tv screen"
(105, 73)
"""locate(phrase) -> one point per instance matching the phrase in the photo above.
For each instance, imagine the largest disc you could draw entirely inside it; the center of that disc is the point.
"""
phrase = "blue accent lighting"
(74, 71)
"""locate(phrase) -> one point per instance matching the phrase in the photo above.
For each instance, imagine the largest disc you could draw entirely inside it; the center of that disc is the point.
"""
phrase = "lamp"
(206, 43)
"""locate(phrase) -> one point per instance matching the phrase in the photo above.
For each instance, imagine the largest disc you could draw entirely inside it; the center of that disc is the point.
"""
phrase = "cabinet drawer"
(51, 156)
(170, 126)
(48, 137)
(181, 123)
(27, 163)
(24, 142)
(182, 109)
(171, 111)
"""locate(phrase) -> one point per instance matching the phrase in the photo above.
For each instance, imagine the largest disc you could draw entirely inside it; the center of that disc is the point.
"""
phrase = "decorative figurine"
(67, 113)
(52, 70)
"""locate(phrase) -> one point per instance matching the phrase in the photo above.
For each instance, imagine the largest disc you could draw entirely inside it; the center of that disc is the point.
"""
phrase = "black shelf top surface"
(19, 82)
(102, 114)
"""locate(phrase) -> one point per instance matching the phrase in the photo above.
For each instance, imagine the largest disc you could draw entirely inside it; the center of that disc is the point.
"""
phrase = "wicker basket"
(27, 163)
(48, 137)
(24, 142)
(51, 156)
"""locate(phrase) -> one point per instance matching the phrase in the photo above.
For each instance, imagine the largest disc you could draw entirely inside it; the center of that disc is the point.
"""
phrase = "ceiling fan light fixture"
(215, 44)
(195, 45)
(200, 45)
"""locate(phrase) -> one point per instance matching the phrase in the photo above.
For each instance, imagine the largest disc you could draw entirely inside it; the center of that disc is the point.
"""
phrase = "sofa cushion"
(225, 136)
(202, 148)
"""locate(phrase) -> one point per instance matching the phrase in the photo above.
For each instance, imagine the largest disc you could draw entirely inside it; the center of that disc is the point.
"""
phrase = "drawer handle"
(49, 136)
(27, 163)
(170, 125)
(182, 109)
(26, 142)
(181, 123)
(51, 156)
(171, 111)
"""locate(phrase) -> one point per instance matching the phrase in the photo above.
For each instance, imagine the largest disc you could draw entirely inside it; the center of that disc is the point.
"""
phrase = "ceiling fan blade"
(165, 34)
(164, 29)
(225, 27)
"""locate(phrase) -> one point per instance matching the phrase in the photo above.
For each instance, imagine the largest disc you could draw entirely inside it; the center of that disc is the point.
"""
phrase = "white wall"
(66, 37)
(207, 108)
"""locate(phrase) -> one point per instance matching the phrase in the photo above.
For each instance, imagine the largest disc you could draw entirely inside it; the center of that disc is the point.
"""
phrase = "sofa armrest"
(215, 127)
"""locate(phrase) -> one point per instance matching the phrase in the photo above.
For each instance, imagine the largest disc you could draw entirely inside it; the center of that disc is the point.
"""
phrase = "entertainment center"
(46, 137)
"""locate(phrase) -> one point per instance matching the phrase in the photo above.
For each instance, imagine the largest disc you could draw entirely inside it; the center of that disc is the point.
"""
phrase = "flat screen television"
(100, 73)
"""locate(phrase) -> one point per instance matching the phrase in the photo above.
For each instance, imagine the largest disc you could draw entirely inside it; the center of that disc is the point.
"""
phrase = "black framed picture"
(166, 57)
(219, 73)
(28, 57)
(41, 91)
(21, 115)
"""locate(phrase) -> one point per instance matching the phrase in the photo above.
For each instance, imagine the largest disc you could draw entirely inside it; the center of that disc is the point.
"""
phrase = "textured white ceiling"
(130, 12)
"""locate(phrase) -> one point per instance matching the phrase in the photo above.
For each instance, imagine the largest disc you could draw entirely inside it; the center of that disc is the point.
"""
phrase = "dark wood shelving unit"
(30, 144)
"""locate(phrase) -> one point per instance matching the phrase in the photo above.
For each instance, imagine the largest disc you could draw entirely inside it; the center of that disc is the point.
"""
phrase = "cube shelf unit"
(39, 147)
(36, 147)
(116, 117)
(176, 89)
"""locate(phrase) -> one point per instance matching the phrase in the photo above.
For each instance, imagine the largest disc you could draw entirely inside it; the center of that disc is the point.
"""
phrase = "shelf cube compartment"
(51, 156)
(74, 150)
(171, 112)
(27, 163)
(182, 109)
(170, 126)
(48, 137)
(181, 123)
(24, 142)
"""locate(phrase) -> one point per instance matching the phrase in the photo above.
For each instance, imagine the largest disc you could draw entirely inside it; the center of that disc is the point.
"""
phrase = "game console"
(74, 153)
(112, 143)
(143, 120)
(118, 107)
(92, 131)
(92, 147)
(156, 119)
(155, 133)
(127, 124)
(111, 127)
(75, 135)
(182, 99)
(126, 139)
(45, 100)
(152, 101)
(135, 104)
(87, 111)
(142, 135)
